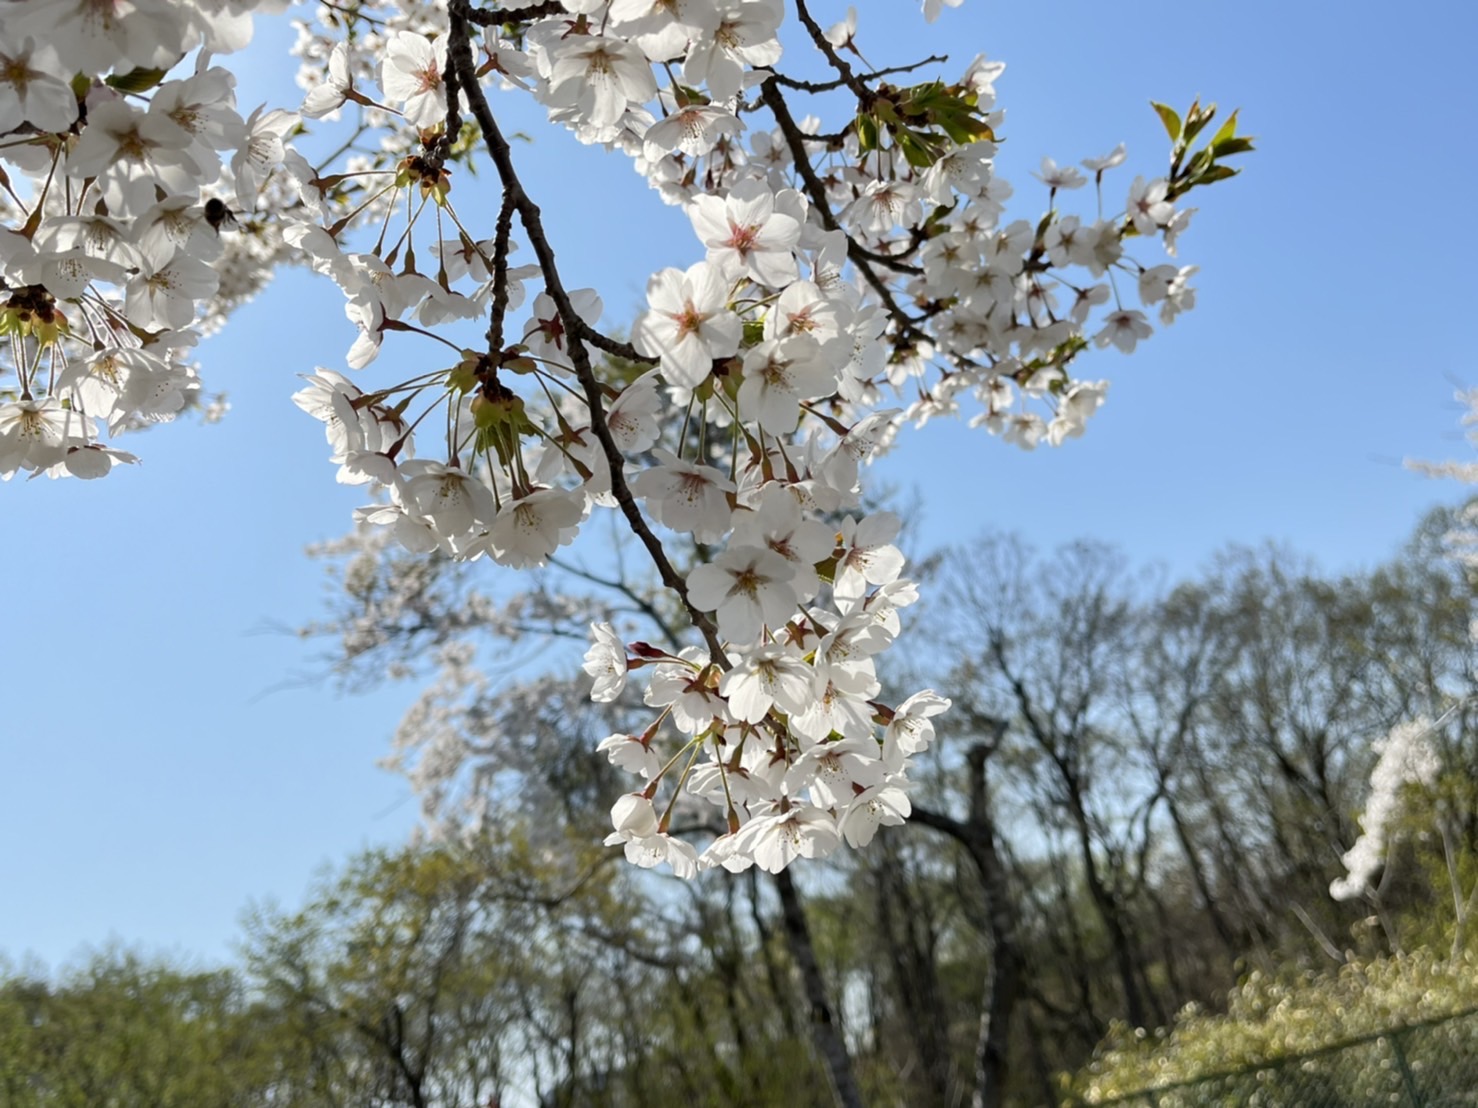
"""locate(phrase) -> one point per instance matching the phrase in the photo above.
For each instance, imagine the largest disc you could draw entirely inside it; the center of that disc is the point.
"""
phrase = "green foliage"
(1192, 170)
(130, 1032)
(1270, 1018)
(925, 121)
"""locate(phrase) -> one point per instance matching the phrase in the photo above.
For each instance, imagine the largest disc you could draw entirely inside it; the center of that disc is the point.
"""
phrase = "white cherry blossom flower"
(412, 77)
(203, 106)
(884, 804)
(1148, 207)
(527, 531)
(778, 376)
(599, 77)
(262, 152)
(633, 817)
(131, 153)
(843, 35)
(1080, 401)
(455, 501)
(330, 94)
(544, 334)
(777, 523)
(911, 729)
(830, 770)
(605, 661)
(29, 90)
(1113, 158)
(165, 297)
(663, 28)
(650, 851)
(1168, 286)
(1023, 429)
(868, 555)
(685, 496)
(763, 678)
(694, 129)
(1123, 328)
(632, 753)
(932, 8)
(1059, 177)
(91, 37)
(35, 434)
(90, 461)
(1178, 223)
(748, 587)
(838, 703)
(632, 416)
(746, 235)
(744, 36)
(685, 688)
(689, 325)
(774, 841)
(884, 205)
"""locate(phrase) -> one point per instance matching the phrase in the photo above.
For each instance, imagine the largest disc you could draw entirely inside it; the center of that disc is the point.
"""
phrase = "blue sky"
(166, 757)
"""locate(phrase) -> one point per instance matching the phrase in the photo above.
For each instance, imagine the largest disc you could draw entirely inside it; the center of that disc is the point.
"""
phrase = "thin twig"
(862, 258)
(865, 95)
(460, 65)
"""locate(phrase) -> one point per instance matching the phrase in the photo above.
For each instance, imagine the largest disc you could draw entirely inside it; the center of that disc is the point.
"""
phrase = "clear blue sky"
(163, 761)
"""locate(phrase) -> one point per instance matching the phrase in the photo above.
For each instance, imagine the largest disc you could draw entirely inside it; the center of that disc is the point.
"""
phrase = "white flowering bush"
(1406, 757)
(1270, 1019)
(844, 276)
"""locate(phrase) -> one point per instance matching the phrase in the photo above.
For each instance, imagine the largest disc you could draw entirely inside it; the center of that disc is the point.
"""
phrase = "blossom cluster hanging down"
(842, 279)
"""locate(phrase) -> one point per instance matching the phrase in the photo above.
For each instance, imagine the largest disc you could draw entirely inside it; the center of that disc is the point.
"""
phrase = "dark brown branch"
(865, 95)
(498, 16)
(831, 86)
(502, 236)
(461, 68)
(862, 258)
(615, 347)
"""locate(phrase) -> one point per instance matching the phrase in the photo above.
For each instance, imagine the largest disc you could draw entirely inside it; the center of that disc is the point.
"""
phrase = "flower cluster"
(799, 757)
(839, 285)
(1407, 757)
(119, 185)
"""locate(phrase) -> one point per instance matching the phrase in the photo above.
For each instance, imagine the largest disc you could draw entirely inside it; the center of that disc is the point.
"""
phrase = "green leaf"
(1216, 173)
(1196, 119)
(136, 80)
(1226, 147)
(462, 377)
(1226, 130)
(921, 150)
(1198, 163)
(1168, 117)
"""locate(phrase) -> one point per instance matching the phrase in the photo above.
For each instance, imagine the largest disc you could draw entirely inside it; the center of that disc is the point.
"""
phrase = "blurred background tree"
(1131, 819)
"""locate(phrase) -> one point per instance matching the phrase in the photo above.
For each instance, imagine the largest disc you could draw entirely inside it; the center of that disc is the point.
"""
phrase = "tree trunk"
(1004, 978)
(910, 942)
(825, 1034)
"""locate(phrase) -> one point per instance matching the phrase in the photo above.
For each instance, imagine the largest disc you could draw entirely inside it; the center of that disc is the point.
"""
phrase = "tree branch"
(463, 78)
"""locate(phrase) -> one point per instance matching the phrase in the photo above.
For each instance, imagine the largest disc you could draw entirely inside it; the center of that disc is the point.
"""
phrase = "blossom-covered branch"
(842, 279)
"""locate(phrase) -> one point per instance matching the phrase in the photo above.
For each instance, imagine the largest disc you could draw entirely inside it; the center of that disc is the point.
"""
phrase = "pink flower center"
(743, 239)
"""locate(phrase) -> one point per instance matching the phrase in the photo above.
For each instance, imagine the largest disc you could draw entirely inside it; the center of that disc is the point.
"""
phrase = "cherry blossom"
(605, 661)
(690, 325)
(411, 76)
(748, 587)
(746, 235)
(855, 262)
(29, 91)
